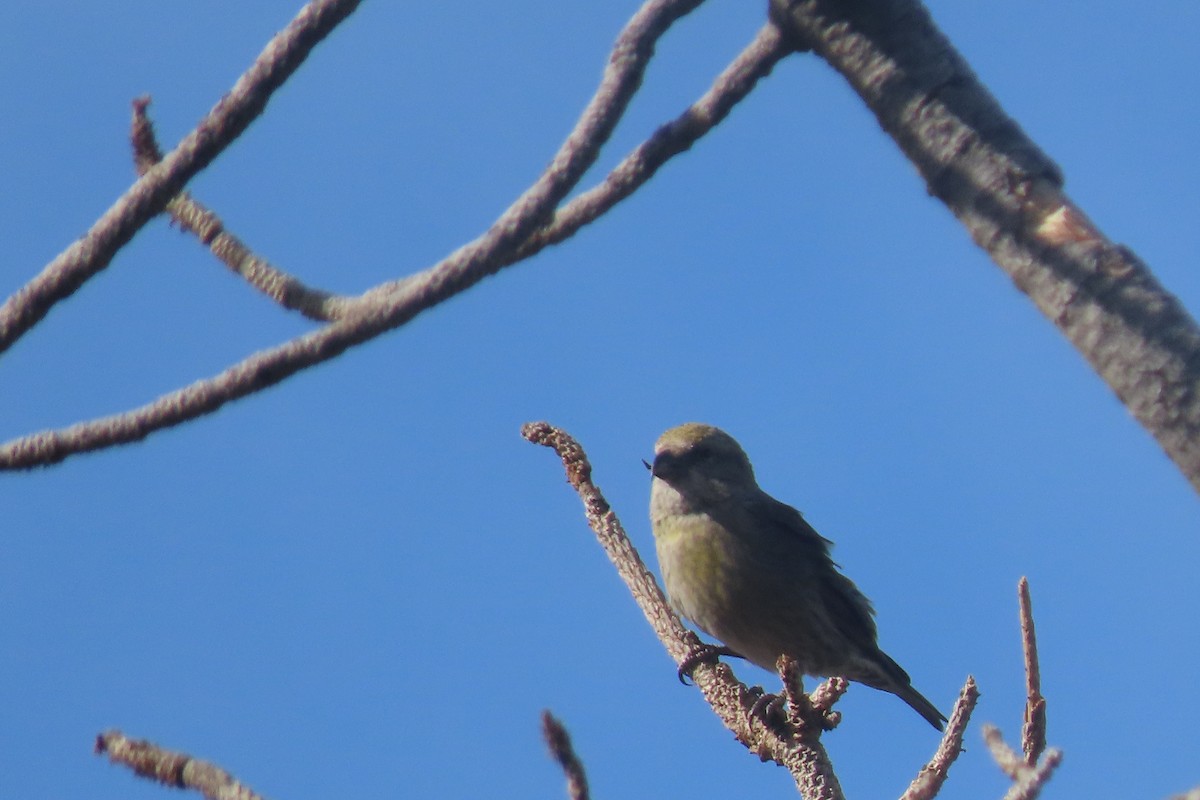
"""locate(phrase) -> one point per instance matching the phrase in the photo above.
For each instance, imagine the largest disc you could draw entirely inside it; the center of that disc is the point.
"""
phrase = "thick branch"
(150, 194)
(1007, 193)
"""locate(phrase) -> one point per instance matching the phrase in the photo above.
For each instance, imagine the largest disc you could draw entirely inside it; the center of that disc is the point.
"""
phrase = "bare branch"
(797, 748)
(169, 768)
(1028, 776)
(931, 777)
(393, 304)
(1007, 193)
(731, 87)
(559, 742)
(680, 642)
(194, 218)
(622, 78)
(1028, 780)
(1006, 758)
(828, 693)
(815, 709)
(753, 64)
(1033, 732)
(60, 278)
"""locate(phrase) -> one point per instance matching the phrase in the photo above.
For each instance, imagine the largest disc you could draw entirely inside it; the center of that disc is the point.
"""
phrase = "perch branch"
(797, 748)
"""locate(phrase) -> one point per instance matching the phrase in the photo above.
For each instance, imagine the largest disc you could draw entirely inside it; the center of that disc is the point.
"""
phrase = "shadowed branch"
(559, 742)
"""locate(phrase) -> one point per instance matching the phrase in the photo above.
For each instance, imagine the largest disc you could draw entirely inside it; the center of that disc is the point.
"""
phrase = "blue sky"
(364, 580)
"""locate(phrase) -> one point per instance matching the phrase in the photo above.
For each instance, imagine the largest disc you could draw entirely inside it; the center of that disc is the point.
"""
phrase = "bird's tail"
(890, 677)
(922, 706)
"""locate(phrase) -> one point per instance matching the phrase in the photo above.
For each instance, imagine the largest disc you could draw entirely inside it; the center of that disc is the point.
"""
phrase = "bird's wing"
(792, 523)
(849, 609)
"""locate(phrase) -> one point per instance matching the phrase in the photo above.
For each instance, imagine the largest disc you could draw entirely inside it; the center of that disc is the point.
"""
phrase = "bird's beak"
(649, 468)
(665, 466)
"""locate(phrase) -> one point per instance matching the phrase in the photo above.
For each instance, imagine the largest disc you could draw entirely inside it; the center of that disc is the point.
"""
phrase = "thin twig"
(147, 197)
(815, 708)
(393, 304)
(177, 770)
(1006, 758)
(797, 749)
(1027, 774)
(1033, 732)
(827, 693)
(734, 83)
(933, 775)
(1028, 780)
(559, 742)
(196, 219)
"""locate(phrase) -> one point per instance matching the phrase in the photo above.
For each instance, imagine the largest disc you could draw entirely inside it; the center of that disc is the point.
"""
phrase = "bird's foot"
(770, 709)
(704, 654)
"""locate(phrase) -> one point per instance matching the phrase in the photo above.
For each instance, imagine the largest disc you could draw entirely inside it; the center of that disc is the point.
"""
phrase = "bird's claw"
(704, 654)
(770, 709)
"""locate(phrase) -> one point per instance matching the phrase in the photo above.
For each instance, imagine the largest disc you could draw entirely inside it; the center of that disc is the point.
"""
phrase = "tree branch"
(1028, 776)
(733, 84)
(933, 775)
(1007, 193)
(1028, 781)
(177, 770)
(60, 278)
(393, 304)
(736, 81)
(559, 742)
(795, 743)
(1033, 732)
(194, 218)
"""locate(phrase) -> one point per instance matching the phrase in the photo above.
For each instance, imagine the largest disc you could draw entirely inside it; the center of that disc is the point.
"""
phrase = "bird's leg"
(704, 654)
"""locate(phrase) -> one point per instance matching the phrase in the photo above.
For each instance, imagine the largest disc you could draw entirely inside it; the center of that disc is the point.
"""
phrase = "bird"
(748, 569)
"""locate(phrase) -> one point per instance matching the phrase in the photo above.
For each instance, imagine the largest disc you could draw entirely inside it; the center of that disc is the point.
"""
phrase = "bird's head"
(701, 461)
